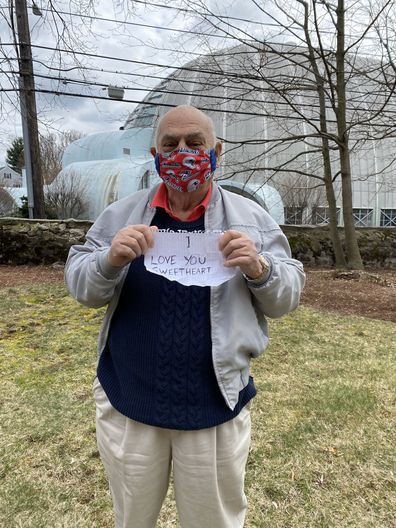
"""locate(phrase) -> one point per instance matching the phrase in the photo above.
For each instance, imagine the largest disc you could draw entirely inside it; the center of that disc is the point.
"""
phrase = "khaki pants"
(208, 469)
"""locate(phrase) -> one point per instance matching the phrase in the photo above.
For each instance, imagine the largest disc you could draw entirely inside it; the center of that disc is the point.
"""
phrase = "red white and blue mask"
(185, 169)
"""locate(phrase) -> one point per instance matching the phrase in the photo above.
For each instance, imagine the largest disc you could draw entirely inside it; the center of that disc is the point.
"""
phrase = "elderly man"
(173, 389)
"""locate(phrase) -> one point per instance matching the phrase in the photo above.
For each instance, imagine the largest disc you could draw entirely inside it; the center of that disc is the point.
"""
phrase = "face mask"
(185, 170)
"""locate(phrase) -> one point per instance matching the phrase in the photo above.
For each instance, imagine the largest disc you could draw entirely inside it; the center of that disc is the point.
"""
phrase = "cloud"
(101, 38)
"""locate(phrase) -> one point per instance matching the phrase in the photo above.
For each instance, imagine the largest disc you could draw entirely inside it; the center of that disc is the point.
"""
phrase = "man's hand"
(239, 250)
(129, 243)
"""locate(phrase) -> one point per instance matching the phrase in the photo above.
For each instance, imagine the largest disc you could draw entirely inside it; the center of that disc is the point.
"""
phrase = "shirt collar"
(161, 200)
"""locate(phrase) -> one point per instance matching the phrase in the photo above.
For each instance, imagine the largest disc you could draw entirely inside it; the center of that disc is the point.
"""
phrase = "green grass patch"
(323, 440)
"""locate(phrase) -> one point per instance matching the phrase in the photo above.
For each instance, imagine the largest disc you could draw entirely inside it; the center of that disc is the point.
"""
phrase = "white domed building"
(254, 123)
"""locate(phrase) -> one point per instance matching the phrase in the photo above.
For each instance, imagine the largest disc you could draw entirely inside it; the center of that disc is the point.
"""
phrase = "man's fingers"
(123, 251)
(138, 241)
(233, 241)
(237, 244)
(239, 252)
(140, 234)
(227, 237)
(131, 242)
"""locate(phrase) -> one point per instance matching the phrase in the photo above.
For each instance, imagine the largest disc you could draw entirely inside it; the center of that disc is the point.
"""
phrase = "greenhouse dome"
(253, 123)
(106, 167)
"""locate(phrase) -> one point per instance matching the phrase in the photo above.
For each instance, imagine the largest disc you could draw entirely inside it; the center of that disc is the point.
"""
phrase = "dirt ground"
(369, 294)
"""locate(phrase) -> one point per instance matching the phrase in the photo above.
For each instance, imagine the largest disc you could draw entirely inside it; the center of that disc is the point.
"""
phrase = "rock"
(25, 241)
(58, 265)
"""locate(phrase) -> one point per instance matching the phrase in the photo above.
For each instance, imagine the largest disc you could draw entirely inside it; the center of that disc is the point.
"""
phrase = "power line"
(143, 77)
(66, 80)
(220, 98)
(165, 66)
(267, 50)
(223, 54)
(129, 73)
(204, 83)
(225, 74)
(268, 43)
(132, 61)
(169, 105)
(205, 109)
(164, 28)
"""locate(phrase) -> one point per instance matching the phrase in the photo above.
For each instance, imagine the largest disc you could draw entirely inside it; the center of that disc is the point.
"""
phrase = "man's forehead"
(185, 116)
(183, 121)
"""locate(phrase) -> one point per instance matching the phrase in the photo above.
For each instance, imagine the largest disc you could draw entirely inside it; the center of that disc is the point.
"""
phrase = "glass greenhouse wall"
(270, 153)
(260, 132)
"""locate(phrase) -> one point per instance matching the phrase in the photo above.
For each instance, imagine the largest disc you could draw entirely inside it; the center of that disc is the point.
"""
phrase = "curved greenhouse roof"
(264, 156)
(244, 89)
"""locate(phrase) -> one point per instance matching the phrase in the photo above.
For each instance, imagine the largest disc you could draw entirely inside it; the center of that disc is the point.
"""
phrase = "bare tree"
(7, 203)
(300, 199)
(329, 62)
(52, 147)
(66, 197)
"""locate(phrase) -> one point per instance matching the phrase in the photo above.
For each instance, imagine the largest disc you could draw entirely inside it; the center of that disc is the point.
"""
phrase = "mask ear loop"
(157, 164)
(213, 160)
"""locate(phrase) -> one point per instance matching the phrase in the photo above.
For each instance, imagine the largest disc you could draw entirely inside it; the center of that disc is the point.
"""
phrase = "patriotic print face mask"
(185, 169)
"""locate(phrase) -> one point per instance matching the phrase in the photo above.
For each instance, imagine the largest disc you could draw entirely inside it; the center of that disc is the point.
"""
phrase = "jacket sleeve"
(88, 274)
(280, 292)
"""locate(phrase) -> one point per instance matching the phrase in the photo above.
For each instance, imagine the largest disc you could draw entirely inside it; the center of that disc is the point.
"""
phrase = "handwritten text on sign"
(189, 258)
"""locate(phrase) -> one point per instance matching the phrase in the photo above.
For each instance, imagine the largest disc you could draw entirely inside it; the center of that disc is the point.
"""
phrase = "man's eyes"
(196, 144)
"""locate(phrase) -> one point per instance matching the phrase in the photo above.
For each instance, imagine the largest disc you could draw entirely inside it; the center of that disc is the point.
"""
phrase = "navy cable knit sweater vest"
(157, 365)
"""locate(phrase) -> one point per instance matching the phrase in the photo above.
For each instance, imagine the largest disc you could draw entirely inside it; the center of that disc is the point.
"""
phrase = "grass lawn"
(323, 448)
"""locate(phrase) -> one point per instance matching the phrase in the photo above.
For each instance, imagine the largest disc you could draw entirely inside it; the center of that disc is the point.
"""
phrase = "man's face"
(185, 128)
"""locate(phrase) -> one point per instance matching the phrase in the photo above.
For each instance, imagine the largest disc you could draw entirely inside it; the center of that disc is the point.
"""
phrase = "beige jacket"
(238, 308)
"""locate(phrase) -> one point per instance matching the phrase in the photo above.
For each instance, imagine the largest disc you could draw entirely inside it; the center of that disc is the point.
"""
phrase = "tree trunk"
(352, 249)
(327, 172)
(340, 261)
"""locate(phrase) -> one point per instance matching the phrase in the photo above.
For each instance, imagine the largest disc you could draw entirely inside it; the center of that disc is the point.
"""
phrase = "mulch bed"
(24, 275)
(369, 294)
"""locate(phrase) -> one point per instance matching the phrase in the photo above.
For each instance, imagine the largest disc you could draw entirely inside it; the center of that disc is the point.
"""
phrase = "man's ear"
(153, 151)
(218, 149)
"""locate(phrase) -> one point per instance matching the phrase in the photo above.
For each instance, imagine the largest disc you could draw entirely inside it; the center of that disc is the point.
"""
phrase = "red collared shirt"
(161, 200)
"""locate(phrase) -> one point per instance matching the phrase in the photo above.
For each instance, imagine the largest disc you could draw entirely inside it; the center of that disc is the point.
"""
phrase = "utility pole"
(29, 114)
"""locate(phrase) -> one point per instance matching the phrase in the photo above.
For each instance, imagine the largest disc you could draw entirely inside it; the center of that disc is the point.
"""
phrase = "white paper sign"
(188, 258)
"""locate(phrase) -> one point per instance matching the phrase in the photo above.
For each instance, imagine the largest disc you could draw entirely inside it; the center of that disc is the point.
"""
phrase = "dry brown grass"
(322, 453)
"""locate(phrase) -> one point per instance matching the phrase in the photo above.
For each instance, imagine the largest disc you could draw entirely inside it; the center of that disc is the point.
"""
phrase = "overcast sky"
(98, 37)
(130, 42)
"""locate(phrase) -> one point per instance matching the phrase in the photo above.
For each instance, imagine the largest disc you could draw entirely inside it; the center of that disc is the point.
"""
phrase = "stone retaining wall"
(312, 245)
(48, 241)
(39, 241)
